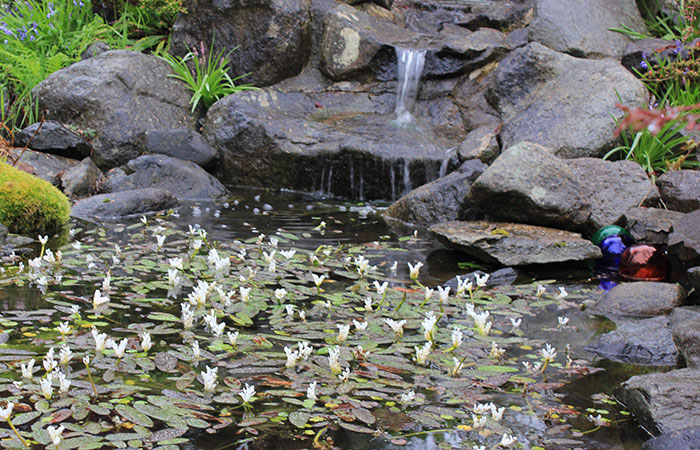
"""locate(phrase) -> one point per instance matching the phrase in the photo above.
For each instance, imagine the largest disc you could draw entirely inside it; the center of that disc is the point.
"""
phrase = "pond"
(285, 321)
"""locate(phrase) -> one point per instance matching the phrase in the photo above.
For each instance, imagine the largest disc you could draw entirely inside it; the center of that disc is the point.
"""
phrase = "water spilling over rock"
(410, 69)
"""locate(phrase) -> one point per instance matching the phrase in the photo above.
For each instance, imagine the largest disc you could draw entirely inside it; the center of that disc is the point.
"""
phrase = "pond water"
(400, 389)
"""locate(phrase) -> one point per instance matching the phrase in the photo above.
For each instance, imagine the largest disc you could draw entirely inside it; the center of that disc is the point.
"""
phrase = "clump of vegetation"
(29, 204)
(150, 17)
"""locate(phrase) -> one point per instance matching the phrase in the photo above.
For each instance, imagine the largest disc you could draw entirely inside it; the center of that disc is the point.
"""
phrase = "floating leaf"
(132, 415)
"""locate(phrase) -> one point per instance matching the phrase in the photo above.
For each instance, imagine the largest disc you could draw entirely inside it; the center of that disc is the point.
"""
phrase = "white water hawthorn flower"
(333, 362)
(318, 280)
(343, 331)
(209, 379)
(280, 294)
(46, 386)
(481, 280)
(562, 321)
(428, 325)
(232, 337)
(6, 412)
(422, 353)
(187, 316)
(292, 357)
(408, 397)
(360, 326)
(245, 293)
(548, 353)
(444, 294)
(311, 391)
(56, 434)
(98, 299)
(496, 352)
(457, 337)
(247, 393)
(100, 340)
(414, 270)
(508, 441)
(119, 349)
(396, 326)
(28, 369)
(305, 350)
(381, 288)
(146, 343)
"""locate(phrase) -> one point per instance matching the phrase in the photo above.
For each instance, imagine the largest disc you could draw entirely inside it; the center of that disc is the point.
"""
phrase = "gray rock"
(663, 402)
(118, 205)
(182, 143)
(694, 278)
(641, 299)
(527, 183)
(43, 165)
(339, 142)
(53, 138)
(566, 103)
(81, 180)
(511, 244)
(582, 27)
(120, 95)
(686, 333)
(680, 189)
(94, 49)
(441, 200)
(470, 95)
(684, 241)
(481, 144)
(685, 439)
(646, 342)
(271, 37)
(649, 50)
(184, 179)
(498, 15)
(650, 225)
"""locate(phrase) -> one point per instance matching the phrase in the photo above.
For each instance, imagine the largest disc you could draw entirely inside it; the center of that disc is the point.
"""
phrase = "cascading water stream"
(410, 69)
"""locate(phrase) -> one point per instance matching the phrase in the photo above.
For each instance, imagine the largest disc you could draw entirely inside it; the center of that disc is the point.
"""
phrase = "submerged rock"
(640, 299)
(54, 138)
(441, 200)
(511, 244)
(120, 95)
(663, 402)
(650, 225)
(528, 183)
(680, 189)
(184, 179)
(118, 205)
(557, 100)
(647, 342)
(583, 27)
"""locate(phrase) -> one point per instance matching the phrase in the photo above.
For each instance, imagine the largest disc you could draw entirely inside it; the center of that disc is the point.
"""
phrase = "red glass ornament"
(643, 262)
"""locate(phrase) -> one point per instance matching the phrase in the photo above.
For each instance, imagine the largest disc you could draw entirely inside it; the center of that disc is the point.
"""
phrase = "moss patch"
(29, 204)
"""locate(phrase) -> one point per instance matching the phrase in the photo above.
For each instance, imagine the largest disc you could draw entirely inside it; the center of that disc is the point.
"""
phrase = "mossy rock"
(29, 204)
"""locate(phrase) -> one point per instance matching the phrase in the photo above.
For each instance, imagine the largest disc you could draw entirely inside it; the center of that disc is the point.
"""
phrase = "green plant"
(29, 204)
(150, 17)
(657, 150)
(684, 26)
(209, 79)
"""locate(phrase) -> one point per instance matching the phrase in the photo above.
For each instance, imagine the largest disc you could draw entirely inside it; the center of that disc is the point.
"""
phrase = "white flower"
(497, 413)
(187, 316)
(481, 280)
(428, 325)
(46, 387)
(598, 420)
(394, 266)
(274, 242)
(196, 244)
(6, 412)
(209, 378)
(292, 357)
(414, 270)
(232, 337)
(245, 293)
(302, 315)
(457, 337)
(63, 382)
(362, 265)
(481, 408)
(106, 282)
(508, 441)
(175, 263)
(443, 293)
(247, 393)
(422, 353)
(28, 370)
(119, 349)
(343, 331)
(457, 367)
(333, 362)
(64, 328)
(146, 342)
(195, 349)
(280, 293)
(174, 278)
(48, 362)
(562, 321)
(541, 290)
(396, 326)
(345, 376)
(368, 304)
(478, 447)
(408, 397)
(86, 360)
(548, 353)
(428, 294)
(160, 240)
(56, 434)
(76, 245)
(482, 326)
(269, 257)
(496, 352)
(43, 239)
(199, 293)
(515, 323)
(65, 355)
(470, 310)
(311, 392)
(360, 325)
(144, 221)
(479, 421)
(98, 299)
(530, 368)
(463, 285)
(272, 267)
(381, 288)
(290, 311)
(217, 329)
(562, 293)
(100, 340)
(318, 280)
(305, 350)
(288, 254)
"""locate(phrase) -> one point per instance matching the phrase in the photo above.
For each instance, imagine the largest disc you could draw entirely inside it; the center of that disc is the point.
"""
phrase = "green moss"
(29, 204)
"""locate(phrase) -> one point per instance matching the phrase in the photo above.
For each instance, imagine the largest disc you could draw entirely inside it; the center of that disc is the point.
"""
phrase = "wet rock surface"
(81, 180)
(43, 165)
(528, 183)
(650, 225)
(684, 241)
(686, 439)
(640, 299)
(481, 144)
(511, 244)
(557, 100)
(663, 402)
(646, 342)
(54, 138)
(120, 95)
(167, 173)
(180, 143)
(680, 189)
(118, 205)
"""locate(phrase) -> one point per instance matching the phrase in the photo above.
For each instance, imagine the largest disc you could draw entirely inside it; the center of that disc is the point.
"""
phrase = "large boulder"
(118, 205)
(583, 27)
(663, 402)
(52, 137)
(527, 183)
(680, 189)
(566, 103)
(120, 95)
(271, 38)
(335, 140)
(684, 241)
(641, 299)
(441, 200)
(647, 342)
(511, 244)
(184, 179)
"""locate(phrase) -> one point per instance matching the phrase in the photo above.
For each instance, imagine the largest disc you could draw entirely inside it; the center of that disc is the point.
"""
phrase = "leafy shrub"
(29, 204)
(150, 17)
(208, 80)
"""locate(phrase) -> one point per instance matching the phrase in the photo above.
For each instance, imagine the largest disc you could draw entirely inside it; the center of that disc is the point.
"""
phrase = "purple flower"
(644, 65)
(679, 46)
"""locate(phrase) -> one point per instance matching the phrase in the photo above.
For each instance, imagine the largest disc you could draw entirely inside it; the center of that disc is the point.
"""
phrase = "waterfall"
(409, 72)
